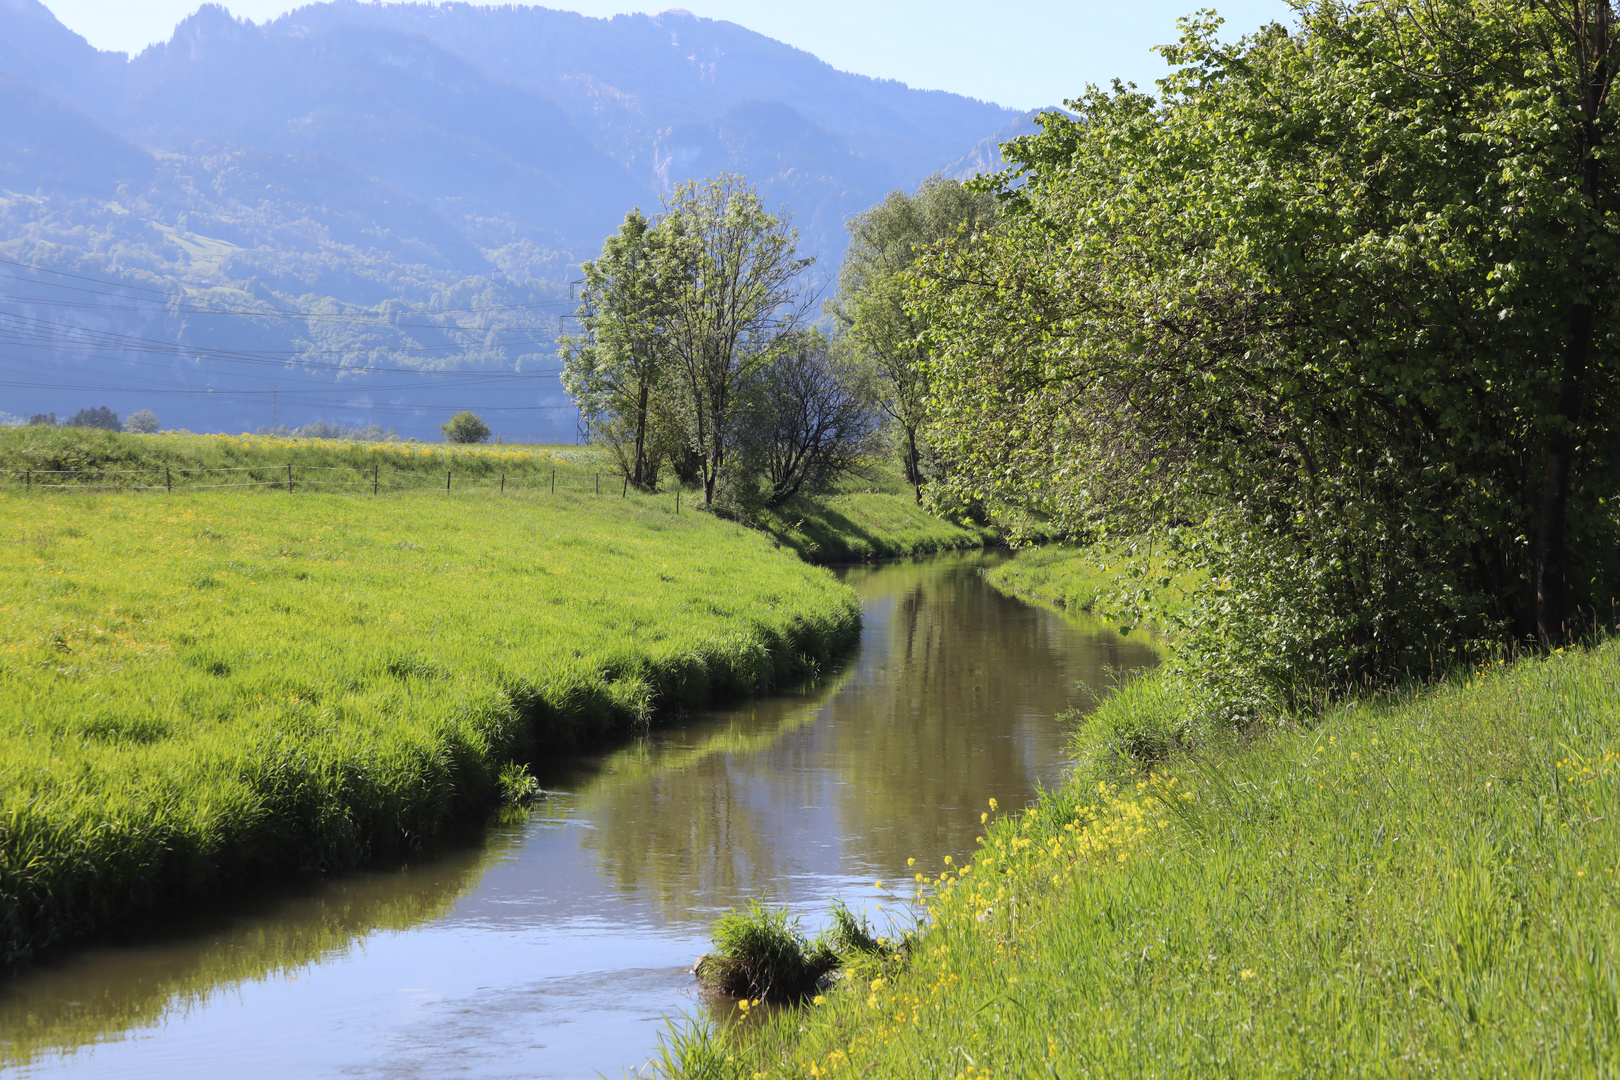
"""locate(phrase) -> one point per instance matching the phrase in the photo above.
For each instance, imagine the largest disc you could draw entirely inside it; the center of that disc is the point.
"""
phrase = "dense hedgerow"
(197, 689)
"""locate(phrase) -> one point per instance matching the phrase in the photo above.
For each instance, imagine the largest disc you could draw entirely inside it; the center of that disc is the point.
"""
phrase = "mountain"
(369, 212)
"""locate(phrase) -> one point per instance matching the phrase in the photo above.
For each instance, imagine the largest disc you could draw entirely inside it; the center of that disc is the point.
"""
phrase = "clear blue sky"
(1023, 53)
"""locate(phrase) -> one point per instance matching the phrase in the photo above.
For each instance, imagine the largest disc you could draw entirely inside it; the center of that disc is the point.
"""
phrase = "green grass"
(1421, 887)
(1093, 579)
(860, 520)
(864, 519)
(199, 689)
(120, 460)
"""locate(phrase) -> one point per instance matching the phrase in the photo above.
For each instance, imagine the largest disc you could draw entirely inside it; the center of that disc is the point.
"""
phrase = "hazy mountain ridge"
(346, 155)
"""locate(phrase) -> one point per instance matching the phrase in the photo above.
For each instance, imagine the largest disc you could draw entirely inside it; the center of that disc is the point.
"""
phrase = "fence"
(292, 477)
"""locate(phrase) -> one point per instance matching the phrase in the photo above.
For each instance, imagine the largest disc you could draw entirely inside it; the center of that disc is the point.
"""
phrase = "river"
(554, 942)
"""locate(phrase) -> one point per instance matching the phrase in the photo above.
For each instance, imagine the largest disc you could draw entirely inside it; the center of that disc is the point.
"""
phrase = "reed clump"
(762, 954)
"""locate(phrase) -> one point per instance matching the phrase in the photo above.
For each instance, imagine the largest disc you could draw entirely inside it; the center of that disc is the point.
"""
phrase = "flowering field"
(86, 456)
(196, 690)
(1420, 888)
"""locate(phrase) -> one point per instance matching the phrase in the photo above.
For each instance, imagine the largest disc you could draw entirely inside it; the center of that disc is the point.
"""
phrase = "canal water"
(554, 943)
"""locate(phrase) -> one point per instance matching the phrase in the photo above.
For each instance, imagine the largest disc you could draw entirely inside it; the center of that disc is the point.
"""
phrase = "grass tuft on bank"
(1424, 886)
(196, 690)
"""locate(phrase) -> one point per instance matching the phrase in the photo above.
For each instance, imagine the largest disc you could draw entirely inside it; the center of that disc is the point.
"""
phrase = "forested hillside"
(260, 223)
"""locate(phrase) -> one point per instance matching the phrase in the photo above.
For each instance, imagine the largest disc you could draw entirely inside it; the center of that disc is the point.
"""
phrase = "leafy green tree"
(465, 427)
(617, 368)
(141, 421)
(100, 417)
(731, 271)
(1343, 298)
(885, 242)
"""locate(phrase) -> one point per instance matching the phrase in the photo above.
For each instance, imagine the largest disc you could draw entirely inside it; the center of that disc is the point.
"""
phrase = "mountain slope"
(256, 208)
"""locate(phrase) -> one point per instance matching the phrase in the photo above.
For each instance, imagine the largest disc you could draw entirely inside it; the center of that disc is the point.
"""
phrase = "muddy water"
(554, 943)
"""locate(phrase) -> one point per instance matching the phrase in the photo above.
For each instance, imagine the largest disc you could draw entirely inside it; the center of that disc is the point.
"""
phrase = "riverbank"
(1096, 580)
(199, 690)
(1425, 886)
(865, 519)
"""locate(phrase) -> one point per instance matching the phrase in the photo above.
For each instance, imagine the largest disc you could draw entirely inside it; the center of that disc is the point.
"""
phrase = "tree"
(617, 369)
(732, 299)
(885, 242)
(1346, 299)
(814, 419)
(465, 427)
(141, 421)
(101, 417)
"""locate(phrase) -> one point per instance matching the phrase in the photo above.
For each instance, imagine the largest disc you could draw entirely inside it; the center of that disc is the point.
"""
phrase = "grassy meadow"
(1414, 887)
(199, 689)
(110, 459)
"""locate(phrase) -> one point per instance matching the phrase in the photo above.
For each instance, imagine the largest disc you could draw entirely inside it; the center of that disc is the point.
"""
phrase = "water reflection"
(557, 947)
(82, 996)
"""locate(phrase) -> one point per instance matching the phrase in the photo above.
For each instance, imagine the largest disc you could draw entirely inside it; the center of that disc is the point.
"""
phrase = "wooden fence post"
(375, 469)
(168, 481)
(289, 478)
(28, 479)
(447, 479)
(554, 481)
(503, 483)
(599, 483)
(677, 500)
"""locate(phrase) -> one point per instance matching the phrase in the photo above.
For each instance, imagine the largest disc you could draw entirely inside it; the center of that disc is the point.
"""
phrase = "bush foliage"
(1334, 320)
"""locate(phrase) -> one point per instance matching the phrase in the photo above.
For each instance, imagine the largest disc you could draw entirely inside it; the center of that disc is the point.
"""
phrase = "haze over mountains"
(373, 209)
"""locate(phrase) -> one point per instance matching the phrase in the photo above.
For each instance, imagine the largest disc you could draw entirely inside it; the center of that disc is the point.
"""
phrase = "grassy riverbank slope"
(1416, 888)
(1094, 579)
(872, 518)
(198, 689)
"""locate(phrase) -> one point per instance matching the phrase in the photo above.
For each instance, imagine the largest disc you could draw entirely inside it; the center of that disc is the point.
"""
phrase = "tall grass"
(1424, 887)
(196, 691)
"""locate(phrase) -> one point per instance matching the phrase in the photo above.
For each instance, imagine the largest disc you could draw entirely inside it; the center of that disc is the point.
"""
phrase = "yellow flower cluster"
(1577, 769)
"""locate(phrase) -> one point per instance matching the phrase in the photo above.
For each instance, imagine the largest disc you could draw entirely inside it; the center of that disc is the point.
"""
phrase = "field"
(862, 518)
(1421, 887)
(198, 689)
(85, 457)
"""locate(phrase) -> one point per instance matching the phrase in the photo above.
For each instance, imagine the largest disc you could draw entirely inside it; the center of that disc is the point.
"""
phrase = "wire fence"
(293, 477)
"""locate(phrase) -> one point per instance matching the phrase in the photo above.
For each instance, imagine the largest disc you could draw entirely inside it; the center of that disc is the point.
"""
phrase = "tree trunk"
(1552, 601)
(1552, 553)
(913, 465)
